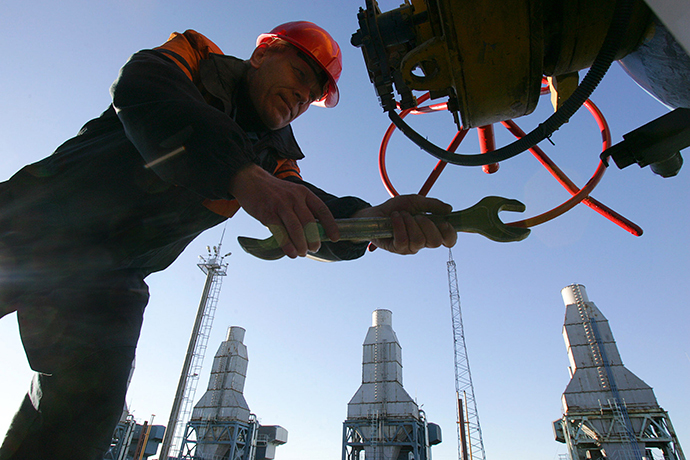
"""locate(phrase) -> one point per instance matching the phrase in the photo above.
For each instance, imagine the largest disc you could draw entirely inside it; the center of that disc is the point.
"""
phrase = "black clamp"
(658, 144)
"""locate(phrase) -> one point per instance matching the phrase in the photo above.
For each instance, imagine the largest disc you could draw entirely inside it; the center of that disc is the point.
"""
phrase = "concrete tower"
(221, 425)
(382, 419)
(609, 412)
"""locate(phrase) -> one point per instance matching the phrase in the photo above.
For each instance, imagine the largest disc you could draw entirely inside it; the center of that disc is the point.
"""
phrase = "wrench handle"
(369, 228)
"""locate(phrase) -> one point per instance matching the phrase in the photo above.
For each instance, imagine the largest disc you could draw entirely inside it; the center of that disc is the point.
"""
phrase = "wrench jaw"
(267, 249)
(499, 231)
(506, 234)
(508, 204)
(483, 219)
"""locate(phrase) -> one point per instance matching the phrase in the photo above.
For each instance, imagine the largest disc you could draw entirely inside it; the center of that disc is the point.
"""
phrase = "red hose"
(486, 139)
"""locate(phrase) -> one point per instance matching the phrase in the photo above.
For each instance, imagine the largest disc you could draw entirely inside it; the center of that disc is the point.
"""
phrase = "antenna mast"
(470, 443)
(214, 268)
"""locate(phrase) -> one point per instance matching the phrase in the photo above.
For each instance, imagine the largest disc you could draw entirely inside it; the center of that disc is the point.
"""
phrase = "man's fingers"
(311, 233)
(433, 206)
(401, 232)
(289, 210)
(324, 216)
(308, 228)
(279, 233)
(418, 204)
(432, 237)
(415, 232)
(284, 241)
(301, 226)
(450, 235)
(294, 225)
(302, 232)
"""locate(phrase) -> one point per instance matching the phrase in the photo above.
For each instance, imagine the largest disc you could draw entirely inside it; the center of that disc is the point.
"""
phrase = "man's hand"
(412, 231)
(288, 210)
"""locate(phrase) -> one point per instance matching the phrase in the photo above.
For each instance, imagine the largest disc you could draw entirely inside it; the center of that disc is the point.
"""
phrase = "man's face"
(282, 86)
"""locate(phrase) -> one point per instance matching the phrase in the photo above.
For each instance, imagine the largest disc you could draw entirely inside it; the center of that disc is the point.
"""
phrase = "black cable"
(601, 65)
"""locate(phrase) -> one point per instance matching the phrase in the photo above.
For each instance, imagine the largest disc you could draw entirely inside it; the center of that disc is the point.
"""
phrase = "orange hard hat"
(319, 46)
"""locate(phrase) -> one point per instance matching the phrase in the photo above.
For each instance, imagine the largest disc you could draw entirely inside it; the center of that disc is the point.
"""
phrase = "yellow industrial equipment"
(487, 57)
(490, 59)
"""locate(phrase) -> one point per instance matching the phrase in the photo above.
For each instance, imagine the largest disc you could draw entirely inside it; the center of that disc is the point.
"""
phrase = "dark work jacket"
(137, 184)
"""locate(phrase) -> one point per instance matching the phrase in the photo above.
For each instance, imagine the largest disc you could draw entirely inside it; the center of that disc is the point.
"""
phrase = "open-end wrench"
(481, 218)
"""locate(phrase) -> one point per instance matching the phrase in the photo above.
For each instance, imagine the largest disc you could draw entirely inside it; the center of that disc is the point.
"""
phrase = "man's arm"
(191, 144)
(289, 210)
(264, 196)
(182, 138)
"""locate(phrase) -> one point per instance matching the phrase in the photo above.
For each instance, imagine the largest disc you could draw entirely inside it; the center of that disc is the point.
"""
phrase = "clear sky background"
(306, 320)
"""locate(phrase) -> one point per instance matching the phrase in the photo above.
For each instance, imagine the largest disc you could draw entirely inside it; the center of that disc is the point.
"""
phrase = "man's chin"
(277, 124)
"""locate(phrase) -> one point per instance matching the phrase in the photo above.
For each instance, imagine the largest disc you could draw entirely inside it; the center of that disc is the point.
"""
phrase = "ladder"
(622, 425)
(214, 268)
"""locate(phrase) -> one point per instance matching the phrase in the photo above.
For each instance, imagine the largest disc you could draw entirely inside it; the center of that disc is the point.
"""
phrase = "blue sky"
(305, 320)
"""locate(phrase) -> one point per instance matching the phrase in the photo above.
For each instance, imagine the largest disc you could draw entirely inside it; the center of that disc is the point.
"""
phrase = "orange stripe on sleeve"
(287, 168)
(190, 46)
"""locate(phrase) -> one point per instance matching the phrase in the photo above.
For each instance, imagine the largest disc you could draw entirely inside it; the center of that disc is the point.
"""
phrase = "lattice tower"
(214, 268)
(468, 417)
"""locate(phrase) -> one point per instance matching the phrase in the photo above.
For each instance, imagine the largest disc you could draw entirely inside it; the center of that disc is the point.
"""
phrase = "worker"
(191, 136)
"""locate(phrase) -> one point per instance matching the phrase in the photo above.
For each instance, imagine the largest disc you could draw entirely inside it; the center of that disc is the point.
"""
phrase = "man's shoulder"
(191, 39)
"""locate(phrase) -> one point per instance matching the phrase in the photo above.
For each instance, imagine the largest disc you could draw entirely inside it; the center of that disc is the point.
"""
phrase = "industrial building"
(134, 441)
(222, 426)
(608, 412)
(383, 422)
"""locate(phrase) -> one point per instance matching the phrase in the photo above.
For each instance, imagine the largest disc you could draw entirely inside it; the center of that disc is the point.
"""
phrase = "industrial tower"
(470, 443)
(222, 426)
(608, 412)
(214, 268)
(383, 422)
